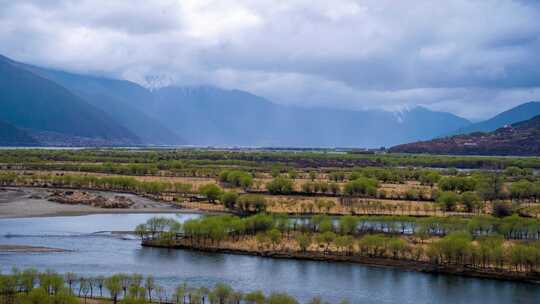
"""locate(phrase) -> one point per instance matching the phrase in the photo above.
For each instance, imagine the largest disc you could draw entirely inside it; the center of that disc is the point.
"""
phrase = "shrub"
(229, 199)
(448, 200)
(280, 185)
(211, 191)
(362, 186)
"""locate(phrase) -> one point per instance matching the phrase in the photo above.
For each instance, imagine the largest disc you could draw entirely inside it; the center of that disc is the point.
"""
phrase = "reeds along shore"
(438, 246)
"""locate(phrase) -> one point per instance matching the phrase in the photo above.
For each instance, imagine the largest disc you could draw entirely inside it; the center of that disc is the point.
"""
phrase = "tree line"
(29, 286)
(313, 159)
(114, 183)
(217, 228)
(481, 243)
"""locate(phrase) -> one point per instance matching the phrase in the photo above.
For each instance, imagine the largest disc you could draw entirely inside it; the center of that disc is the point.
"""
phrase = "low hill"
(520, 139)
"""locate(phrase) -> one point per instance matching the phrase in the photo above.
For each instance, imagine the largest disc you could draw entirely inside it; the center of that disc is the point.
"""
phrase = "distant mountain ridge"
(519, 113)
(520, 139)
(90, 110)
(115, 97)
(212, 116)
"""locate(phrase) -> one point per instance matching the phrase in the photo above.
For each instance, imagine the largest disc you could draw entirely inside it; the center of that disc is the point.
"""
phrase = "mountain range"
(50, 107)
(212, 116)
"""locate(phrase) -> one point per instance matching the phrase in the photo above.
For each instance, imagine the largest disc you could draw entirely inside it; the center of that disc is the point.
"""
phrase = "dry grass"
(306, 204)
(202, 206)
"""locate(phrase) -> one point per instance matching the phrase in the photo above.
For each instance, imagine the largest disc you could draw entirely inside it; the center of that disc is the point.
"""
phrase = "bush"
(362, 186)
(281, 298)
(456, 183)
(211, 191)
(236, 178)
(448, 200)
(280, 185)
(229, 199)
(471, 200)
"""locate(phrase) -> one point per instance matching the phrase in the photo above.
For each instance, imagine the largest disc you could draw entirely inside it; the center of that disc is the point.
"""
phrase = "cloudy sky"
(473, 58)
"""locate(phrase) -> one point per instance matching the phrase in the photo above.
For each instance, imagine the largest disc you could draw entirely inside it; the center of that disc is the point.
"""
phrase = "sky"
(471, 58)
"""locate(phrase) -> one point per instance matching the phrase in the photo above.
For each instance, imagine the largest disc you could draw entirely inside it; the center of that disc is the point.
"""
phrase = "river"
(101, 254)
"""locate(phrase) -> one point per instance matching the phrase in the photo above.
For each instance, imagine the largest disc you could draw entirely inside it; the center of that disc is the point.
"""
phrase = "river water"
(101, 254)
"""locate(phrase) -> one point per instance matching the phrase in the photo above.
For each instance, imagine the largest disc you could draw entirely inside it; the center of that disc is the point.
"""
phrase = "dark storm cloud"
(473, 58)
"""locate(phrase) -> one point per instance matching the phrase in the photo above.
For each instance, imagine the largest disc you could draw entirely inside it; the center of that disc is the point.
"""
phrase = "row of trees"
(457, 248)
(478, 246)
(452, 190)
(214, 229)
(458, 184)
(304, 159)
(360, 186)
(449, 200)
(525, 190)
(485, 252)
(30, 286)
(321, 187)
(114, 183)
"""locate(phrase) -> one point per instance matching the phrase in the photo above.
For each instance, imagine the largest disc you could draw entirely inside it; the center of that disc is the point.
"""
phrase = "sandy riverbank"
(28, 249)
(33, 202)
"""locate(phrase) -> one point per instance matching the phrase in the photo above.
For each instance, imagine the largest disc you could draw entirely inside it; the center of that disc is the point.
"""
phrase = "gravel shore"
(33, 202)
(28, 249)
